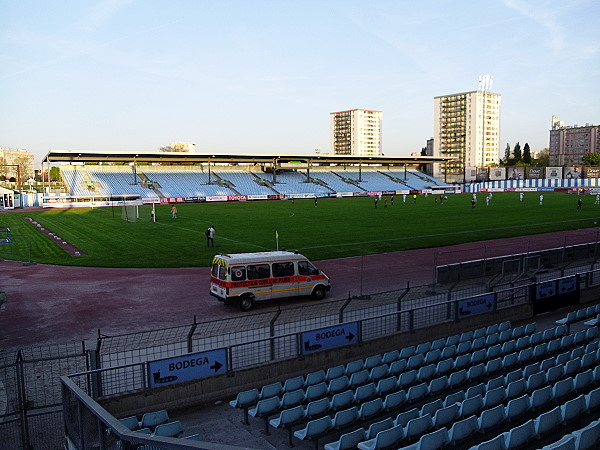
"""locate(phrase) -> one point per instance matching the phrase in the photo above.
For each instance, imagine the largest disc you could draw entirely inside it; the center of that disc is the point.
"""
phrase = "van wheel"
(246, 303)
(318, 293)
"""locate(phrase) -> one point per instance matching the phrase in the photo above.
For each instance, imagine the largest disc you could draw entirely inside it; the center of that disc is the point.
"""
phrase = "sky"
(250, 76)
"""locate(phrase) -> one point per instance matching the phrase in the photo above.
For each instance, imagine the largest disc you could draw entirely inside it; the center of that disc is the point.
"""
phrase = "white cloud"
(102, 13)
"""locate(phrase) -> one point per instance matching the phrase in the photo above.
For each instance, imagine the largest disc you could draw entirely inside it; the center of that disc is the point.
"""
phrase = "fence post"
(191, 334)
(272, 331)
(23, 403)
(343, 307)
(399, 307)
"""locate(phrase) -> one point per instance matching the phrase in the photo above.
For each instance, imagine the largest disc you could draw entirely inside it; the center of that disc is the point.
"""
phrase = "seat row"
(512, 387)
(410, 425)
(408, 387)
(579, 315)
(156, 423)
(586, 438)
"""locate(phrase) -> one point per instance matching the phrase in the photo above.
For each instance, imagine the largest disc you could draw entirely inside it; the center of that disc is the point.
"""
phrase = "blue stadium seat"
(554, 345)
(471, 406)
(376, 427)
(462, 361)
(370, 409)
(390, 357)
(571, 409)
(478, 389)
(530, 369)
(315, 391)
(565, 443)
(416, 393)
(515, 408)
(378, 372)
(510, 360)
(385, 438)
(547, 363)
(434, 440)
(479, 332)
(423, 348)
(540, 350)
(364, 393)
(592, 400)
(492, 340)
(456, 397)
(494, 397)
(359, 378)
(398, 366)
(314, 378)
(416, 361)
(449, 351)
(426, 372)
(463, 429)
(491, 417)
(496, 443)
(519, 436)
(314, 429)
(347, 441)
(526, 355)
(444, 366)
(478, 356)
(536, 338)
(555, 373)
(354, 366)
(264, 409)
(335, 372)
(386, 385)
(513, 376)
(372, 361)
(407, 352)
(417, 426)
(563, 358)
(583, 380)
(587, 437)
(394, 400)
(545, 424)
(536, 380)
(562, 388)
(316, 408)
(438, 344)
(287, 419)
(171, 429)
(407, 378)
(153, 419)
(478, 344)
(476, 372)
(431, 407)
(464, 347)
(130, 422)
(291, 399)
(452, 340)
(466, 336)
(457, 378)
(492, 329)
(494, 383)
(437, 385)
(338, 385)
(341, 400)
(344, 418)
(493, 366)
(572, 367)
(404, 417)
(530, 328)
(271, 390)
(293, 384)
(516, 388)
(445, 416)
(541, 397)
(433, 356)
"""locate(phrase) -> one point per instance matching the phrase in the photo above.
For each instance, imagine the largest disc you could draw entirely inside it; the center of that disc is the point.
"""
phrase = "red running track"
(55, 304)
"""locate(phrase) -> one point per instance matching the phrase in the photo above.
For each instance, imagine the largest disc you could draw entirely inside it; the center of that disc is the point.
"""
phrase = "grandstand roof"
(180, 157)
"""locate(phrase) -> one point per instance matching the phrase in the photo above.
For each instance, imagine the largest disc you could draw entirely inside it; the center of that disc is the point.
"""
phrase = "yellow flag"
(276, 235)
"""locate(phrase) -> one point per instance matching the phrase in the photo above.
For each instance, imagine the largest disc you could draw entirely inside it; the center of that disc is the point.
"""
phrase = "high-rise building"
(467, 128)
(568, 144)
(356, 132)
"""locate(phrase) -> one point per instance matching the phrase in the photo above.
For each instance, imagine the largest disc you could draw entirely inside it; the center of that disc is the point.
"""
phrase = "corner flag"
(277, 239)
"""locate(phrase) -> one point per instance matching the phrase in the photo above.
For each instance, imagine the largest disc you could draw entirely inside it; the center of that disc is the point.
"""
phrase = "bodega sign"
(187, 367)
(324, 338)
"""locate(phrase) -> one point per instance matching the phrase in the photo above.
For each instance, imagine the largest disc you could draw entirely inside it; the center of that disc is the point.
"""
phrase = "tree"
(507, 154)
(54, 173)
(543, 158)
(592, 159)
(424, 151)
(517, 152)
(526, 154)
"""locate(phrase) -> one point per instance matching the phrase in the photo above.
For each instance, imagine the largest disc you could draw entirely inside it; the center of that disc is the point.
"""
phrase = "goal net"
(130, 213)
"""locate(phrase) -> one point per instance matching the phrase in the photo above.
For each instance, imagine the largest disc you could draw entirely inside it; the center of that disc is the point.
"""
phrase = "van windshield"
(306, 268)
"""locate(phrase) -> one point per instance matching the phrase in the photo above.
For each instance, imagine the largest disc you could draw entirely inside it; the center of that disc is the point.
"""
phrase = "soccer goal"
(130, 213)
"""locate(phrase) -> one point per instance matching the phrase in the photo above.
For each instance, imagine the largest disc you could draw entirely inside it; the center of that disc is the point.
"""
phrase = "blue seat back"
(520, 435)
(364, 392)
(491, 417)
(271, 390)
(456, 397)
(445, 416)
(471, 406)
(515, 408)
(316, 391)
(562, 388)
(347, 441)
(416, 392)
(291, 399)
(545, 423)
(376, 427)
(171, 429)
(462, 429)
(370, 408)
(587, 437)
(404, 417)
(418, 426)
(130, 422)
(314, 378)
(341, 400)
(394, 400)
(335, 372)
(152, 419)
(293, 384)
(573, 408)
(354, 366)
(372, 361)
(316, 407)
(386, 385)
(345, 417)
(541, 397)
(431, 407)
(389, 437)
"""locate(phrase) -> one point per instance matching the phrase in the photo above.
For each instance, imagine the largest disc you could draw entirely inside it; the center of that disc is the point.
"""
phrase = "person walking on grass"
(541, 199)
(210, 236)
(174, 212)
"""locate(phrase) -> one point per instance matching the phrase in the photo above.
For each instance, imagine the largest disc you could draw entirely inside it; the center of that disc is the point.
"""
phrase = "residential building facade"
(568, 144)
(467, 128)
(11, 157)
(356, 132)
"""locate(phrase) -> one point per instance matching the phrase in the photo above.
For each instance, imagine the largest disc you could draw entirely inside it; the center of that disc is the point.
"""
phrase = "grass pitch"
(335, 228)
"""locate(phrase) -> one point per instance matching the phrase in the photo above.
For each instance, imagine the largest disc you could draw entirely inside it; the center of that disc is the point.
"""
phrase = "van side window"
(306, 268)
(222, 273)
(283, 269)
(238, 273)
(257, 271)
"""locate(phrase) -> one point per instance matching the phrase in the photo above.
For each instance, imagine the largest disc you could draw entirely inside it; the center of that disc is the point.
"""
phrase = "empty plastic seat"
(572, 367)
(398, 366)
(314, 378)
(491, 417)
(314, 429)
(471, 406)
(365, 392)
(433, 356)
(510, 360)
(317, 408)
(354, 366)
(347, 441)
(494, 351)
(417, 426)
(493, 366)
(555, 373)
(516, 388)
(423, 348)
(416, 361)
(494, 397)
(496, 443)
(407, 378)
(271, 390)
(563, 358)
(426, 372)
(588, 360)
(583, 380)
(537, 338)
(565, 443)
(545, 423)
(370, 409)
(315, 391)
(434, 440)
(386, 385)
(404, 417)
(554, 345)
(541, 397)
(287, 419)
(569, 318)
(449, 351)
(335, 372)
(456, 397)
(476, 372)
(562, 388)
(463, 347)
(407, 352)
(444, 366)
(359, 378)
(492, 339)
(478, 389)
(519, 436)
(505, 335)
(264, 409)
(531, 369)
(572, 409)
(293, 384)
(376, 427)
(592, 400)
(547, 363)
(437, 385)
(338, 384)
(466, 336)
(385, 438)
(515, 408)
(130, 422)
(535, 381)
(431, 407)
(479, 332)
(171, 429)
(478, 356)
(378, 372)
(390, 357)
(394, 400)
(416, 393)
(445, 416)
(372, 361)
(438, 344)
(463, 429)
(155, 418)
(457, 378)
(513, 376)
(587, 437)
(452, 340)
(341, 400)
(344, 418)
(462, 361)
(478, 343)
(494, 383)
(291, 399)
(525, 355)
